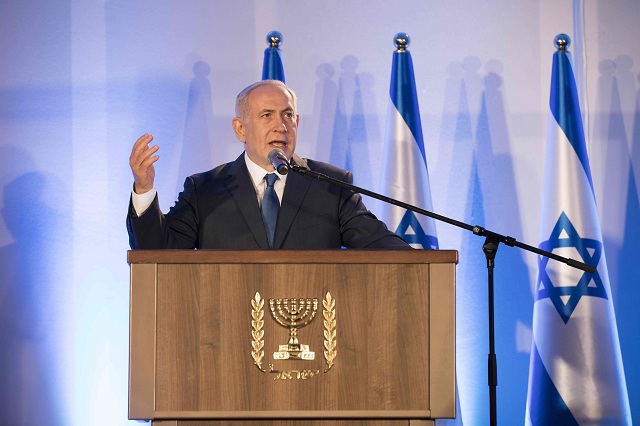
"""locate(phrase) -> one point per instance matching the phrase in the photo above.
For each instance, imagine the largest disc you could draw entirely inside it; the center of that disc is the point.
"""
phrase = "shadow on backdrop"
(196, 147)
(464, 201)
(371, 146)
(628, 269)
(149, 105)
(28, 393)
(471, 297)
(613, 143)
(358, 137)
(455, 150)
(513, 300)
(355, 126)
(491, 202)
(324, 110)
(340, 151)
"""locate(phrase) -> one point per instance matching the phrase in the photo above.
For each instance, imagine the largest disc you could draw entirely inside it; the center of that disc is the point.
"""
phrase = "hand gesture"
(141, 162)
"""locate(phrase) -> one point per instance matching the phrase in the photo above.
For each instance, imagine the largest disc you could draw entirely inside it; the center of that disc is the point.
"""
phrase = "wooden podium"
(340, 337)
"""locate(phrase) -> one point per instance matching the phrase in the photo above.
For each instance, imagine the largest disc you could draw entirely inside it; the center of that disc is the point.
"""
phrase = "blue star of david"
(419, 236)
(590, 251)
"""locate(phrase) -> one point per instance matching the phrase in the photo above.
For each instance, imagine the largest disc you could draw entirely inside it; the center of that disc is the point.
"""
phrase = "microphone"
(279, 161)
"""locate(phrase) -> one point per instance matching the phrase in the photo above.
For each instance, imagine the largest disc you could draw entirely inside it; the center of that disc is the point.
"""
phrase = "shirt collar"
(257, 173)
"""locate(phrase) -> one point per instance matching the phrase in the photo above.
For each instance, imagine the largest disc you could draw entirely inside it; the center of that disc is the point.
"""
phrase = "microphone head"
(275, 153)
(277, 158)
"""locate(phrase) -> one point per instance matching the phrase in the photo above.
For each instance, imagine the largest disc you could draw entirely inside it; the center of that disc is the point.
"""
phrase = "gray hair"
(242, 98)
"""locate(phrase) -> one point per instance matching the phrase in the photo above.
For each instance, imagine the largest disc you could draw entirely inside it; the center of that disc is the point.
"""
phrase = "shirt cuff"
(141, 202)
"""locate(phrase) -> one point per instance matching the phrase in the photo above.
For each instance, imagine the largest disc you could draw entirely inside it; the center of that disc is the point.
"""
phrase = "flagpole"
(576, 375)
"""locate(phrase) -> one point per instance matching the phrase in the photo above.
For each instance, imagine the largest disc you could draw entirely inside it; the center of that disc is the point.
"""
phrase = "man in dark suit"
(223, 208)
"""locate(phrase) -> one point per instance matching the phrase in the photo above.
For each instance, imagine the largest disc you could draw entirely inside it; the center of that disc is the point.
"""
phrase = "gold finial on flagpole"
(562, 41)
(401, 41)
(274, 39)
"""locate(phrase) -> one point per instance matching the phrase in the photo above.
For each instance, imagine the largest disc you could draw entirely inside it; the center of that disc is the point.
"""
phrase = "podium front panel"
(287, 334)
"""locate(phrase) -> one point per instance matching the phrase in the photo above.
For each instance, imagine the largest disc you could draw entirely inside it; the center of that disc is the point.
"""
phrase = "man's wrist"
(138, 189)
(141, 202)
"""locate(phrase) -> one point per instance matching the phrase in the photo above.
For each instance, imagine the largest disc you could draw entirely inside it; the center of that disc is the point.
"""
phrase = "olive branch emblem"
(329, 314)
(257, 332)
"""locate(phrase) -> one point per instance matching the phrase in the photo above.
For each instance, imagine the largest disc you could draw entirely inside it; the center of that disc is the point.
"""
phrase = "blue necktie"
(270, 207)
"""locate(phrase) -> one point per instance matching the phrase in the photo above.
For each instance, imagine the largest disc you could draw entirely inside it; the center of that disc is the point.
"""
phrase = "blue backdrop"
(80, 81)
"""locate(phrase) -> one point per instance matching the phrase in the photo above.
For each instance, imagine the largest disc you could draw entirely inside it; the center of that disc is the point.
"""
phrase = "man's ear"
(239, 129)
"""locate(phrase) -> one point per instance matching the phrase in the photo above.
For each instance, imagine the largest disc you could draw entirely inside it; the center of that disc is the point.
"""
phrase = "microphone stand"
(489, 248)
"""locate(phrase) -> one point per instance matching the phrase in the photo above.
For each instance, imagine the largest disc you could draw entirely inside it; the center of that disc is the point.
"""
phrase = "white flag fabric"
(576, 375)
(405, 176)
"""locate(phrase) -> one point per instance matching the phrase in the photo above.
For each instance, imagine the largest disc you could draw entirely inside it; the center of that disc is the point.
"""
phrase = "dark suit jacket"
(219, 209)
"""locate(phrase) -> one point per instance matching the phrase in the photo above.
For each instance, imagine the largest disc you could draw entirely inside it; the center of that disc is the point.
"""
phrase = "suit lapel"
(294, 193)
(244, 194)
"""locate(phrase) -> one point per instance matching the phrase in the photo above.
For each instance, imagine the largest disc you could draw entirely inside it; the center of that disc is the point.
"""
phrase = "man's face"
(270, 122)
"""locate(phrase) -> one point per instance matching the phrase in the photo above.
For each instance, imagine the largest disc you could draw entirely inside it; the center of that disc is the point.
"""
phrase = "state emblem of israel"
(293, 314)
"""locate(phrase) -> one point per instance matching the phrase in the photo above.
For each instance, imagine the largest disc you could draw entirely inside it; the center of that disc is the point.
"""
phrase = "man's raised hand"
(141, 162)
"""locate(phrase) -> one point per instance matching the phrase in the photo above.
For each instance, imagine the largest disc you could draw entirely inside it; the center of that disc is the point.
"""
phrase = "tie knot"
(271, 179)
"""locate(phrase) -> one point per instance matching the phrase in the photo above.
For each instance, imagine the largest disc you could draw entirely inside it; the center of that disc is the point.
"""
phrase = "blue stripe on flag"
(565, 107)
(404, 97)
(546, 406)
(272, 67)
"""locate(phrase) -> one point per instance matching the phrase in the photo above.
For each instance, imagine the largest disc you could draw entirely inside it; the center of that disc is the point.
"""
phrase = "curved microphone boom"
(277, 158)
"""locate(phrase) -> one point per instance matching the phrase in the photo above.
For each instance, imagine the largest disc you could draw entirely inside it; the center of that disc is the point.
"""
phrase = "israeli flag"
(405, 176)
(272, 67)
(575, 373)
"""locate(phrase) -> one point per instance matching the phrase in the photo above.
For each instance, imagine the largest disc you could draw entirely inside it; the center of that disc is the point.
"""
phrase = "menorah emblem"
(293, 314)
